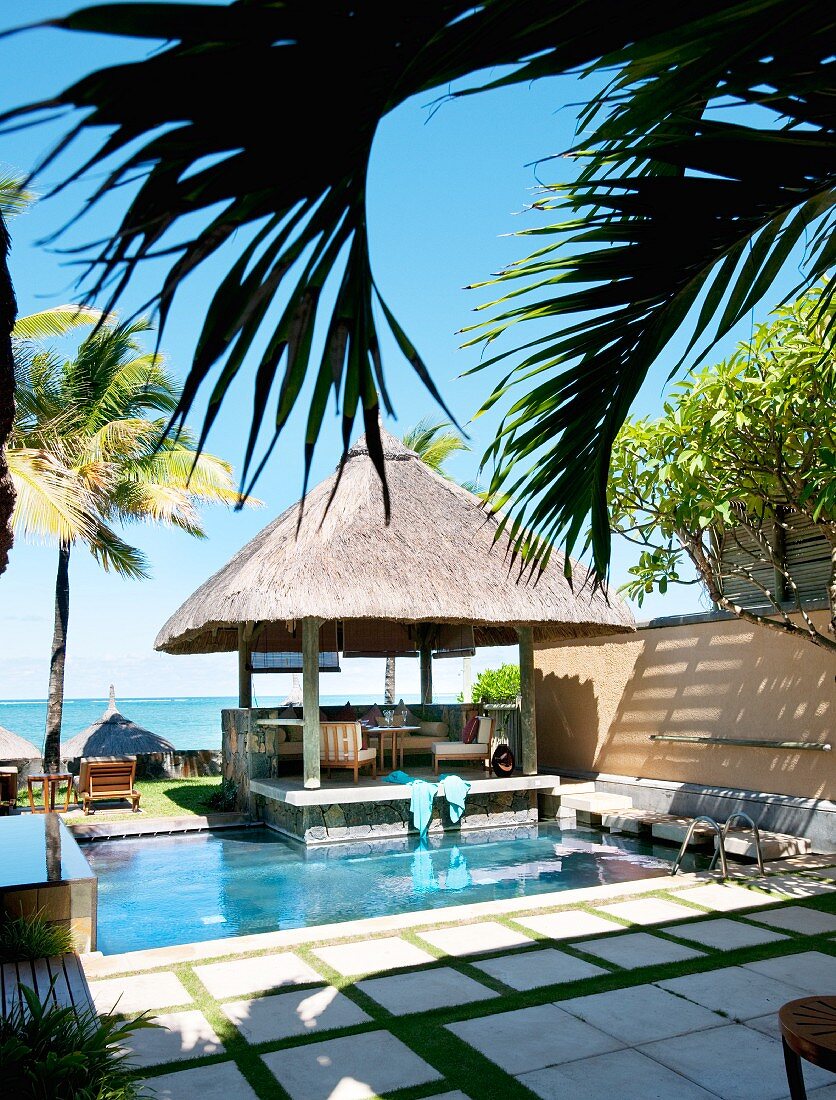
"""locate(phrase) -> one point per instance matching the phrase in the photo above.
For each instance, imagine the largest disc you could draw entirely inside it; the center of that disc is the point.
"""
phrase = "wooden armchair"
(341, 746)
(106, 778)
(479, 750)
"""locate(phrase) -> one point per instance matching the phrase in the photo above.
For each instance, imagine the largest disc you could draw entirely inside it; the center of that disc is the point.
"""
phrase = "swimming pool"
(160, 891)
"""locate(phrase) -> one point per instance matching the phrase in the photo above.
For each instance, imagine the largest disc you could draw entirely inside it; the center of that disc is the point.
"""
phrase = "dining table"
(381, 732)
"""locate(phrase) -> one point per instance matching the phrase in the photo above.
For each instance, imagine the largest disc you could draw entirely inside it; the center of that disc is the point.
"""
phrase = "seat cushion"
(458, 748)
(365, 755)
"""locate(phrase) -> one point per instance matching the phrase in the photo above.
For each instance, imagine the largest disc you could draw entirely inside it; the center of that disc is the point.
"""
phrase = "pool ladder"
(720, 844)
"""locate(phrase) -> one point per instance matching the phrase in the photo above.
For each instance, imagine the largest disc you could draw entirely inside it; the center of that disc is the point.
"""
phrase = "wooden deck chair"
(341, 746)
(480, 750)
(106, 778)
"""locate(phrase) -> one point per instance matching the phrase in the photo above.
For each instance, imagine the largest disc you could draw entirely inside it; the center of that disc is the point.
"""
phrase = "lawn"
(160, 798)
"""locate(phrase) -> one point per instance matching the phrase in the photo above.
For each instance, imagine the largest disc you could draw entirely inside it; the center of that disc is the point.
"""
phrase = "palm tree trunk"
(8, 312)
(55, 703)
(389, 687)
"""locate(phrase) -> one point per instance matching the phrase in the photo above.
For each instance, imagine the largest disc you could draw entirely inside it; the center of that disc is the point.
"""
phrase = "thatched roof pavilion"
(13, 747)
(114, 735)
(330, 573)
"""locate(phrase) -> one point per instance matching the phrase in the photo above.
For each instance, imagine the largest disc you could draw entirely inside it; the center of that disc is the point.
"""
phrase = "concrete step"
(595, 802)
(632, 822)
(675, 829)
(587, 787)
(741, 844)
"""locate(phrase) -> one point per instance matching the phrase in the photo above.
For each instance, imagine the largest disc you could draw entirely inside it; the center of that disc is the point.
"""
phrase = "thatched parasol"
(13, 747)
(436, 562)
(114, 735)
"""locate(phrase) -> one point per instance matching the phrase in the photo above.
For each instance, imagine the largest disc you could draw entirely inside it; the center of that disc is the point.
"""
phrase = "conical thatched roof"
(13, 747)
(114, 735)
(435, 562)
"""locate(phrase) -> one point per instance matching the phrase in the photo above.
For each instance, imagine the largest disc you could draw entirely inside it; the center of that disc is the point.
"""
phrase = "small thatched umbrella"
(114, 735)
(14, 748)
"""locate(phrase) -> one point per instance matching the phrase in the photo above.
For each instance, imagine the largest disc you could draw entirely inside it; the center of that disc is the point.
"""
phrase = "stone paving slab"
(810, 971)
(625, 1074)
(449, 1096)
(179, 1035)
(648, 911)
(352, 1068)
(797, 886)
(797, 918)
(475, 939)
(567, 925)
(733, 1062)
(767, 1025)
(372, 956)
(532, 1038)
(424, 990)
(223, 1081)
(534, 969)
(641, 1014)
(742, 993)
(301, 1012)
(138, 993)
(723, 934)
(241, 976)
(724, 897)
(633, 949)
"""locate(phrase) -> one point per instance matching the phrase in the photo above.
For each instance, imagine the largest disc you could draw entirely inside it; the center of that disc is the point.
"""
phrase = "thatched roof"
(114, 735)
(13, 747)
(436, 562)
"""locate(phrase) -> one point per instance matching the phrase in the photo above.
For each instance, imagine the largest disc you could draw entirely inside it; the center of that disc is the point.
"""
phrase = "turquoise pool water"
(157, 891)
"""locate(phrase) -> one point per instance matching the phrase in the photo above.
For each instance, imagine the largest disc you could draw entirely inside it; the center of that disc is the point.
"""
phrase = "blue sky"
(447, 187)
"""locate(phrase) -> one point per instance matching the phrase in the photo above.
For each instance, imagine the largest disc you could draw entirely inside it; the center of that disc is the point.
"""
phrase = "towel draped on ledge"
(423, 793)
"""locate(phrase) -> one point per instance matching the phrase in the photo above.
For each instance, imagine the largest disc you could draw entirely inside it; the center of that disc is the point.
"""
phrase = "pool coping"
(98, 965)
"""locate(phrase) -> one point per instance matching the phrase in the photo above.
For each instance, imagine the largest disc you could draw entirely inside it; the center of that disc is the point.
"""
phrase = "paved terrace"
(634, 991)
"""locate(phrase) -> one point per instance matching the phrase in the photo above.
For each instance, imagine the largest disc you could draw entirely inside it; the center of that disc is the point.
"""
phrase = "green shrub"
(497, 685)
(50, 1053)
(32, 937)
(224, 799)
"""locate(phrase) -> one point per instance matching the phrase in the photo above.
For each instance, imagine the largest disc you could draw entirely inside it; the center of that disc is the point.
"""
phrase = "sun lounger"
(107, 778)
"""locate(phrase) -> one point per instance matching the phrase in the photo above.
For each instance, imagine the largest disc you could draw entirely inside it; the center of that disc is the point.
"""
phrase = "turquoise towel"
(458, 876)
(397, 777)
(421, 804)
(454, 789)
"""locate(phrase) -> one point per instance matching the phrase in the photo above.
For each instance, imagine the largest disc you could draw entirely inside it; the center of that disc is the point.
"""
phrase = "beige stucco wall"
(599, 700)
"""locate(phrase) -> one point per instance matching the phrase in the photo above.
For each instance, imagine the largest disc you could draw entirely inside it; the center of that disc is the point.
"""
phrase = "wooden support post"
(528, 722)
(245, 679)
(310, 701)
(425, 656)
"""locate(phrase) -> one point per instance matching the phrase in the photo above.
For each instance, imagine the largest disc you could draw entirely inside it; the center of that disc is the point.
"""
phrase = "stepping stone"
(625, 1074)
(372, 956)
(723, 934)
(641, 1014)
(810, 971)
(797, 886)
(534, 969)
(634, 949)
(450, 1096)
(531, 1038)
(352, 1068)
(738, 991)
(266, 1019)
(675, 829)
(632, 822)
(138, 993)
(178, 1035)
(767, 1025)
(216, 1082)
(566, 925)
(797, 918)
(231, 979)
(733, 1062)
(647, 911)
(424, 990)
(723, 898)
(825, 872)
(773, 845)
(475, 939)
(595, 802)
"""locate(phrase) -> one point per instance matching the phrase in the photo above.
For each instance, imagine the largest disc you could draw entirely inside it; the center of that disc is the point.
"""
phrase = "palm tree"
(706, 163)
(88, 452)
(434, 442)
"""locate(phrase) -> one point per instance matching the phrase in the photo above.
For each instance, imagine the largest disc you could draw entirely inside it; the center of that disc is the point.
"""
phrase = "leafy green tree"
(746, 448)
(706, 163)
(497, 685)
(88, 453)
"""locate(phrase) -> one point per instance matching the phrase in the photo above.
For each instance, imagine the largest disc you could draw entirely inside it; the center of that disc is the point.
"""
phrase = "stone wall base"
(385, 820)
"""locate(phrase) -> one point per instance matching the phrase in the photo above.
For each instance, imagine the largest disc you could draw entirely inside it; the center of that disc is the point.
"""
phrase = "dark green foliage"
(32, 937)
(677, 205)
(223, 800)
(50, 1053)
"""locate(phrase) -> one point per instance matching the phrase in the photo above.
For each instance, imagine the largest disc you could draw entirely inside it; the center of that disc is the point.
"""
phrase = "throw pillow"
(470, 730)
(373, 716)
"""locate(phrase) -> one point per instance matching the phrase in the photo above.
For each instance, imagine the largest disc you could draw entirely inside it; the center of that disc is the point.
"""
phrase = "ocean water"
(187, 723)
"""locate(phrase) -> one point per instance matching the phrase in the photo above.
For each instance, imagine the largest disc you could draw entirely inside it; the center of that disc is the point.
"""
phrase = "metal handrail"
(720, 845)
(755, 833)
